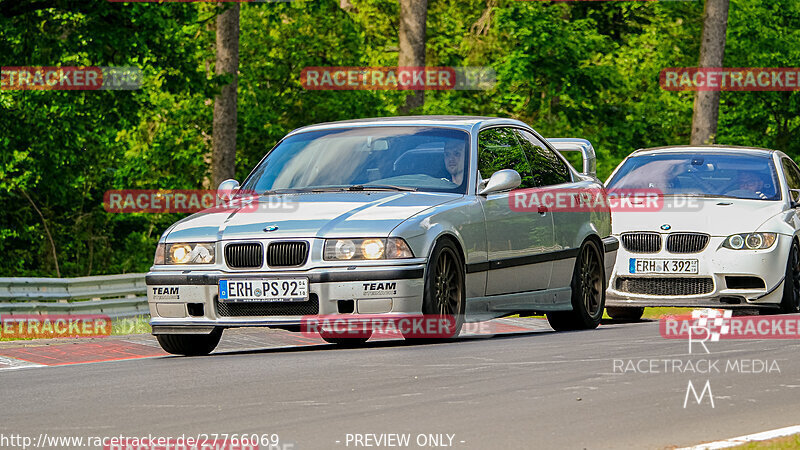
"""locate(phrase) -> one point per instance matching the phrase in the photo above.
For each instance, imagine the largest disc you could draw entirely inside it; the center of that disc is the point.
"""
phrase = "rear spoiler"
(578, 145)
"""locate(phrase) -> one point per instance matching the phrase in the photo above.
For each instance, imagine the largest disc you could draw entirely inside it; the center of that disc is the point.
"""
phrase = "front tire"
(588, 292)
(625, 313)
(190, 344)
(444, 289)
(791, 283)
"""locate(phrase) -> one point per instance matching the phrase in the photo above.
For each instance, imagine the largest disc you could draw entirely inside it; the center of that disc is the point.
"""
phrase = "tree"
(712, 52)
(223, 162)
(413, 17)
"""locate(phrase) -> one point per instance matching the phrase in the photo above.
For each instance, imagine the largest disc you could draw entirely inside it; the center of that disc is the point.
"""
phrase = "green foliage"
(586, 69)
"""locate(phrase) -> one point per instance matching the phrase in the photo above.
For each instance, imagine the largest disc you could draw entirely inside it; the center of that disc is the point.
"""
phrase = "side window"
(499, 148)
(548, 168)
(792, 175)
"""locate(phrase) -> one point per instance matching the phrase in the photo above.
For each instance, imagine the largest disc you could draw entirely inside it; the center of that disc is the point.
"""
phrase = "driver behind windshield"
(454, 160)
(750, 184)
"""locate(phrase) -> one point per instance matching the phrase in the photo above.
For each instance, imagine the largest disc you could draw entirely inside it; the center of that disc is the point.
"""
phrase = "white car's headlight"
(750, 241)
(197, 253)
(369, 249)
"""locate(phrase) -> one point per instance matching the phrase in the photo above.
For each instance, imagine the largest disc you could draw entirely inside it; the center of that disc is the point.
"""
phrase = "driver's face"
(454, 158)
(750, 182)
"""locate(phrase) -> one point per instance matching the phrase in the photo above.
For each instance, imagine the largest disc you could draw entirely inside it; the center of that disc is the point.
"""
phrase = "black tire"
(345, 339)
(444, 291)
(190, 344)
(625, 312)
(791, 284)
(588, 292)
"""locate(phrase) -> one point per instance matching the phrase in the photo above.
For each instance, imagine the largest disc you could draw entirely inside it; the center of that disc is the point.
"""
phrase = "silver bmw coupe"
(382, 217)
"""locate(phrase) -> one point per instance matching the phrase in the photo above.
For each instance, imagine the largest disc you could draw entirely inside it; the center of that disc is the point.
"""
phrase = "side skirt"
(486, 308)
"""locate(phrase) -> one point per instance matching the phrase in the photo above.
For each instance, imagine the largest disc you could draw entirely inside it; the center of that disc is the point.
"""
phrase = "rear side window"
(498, 149)
(548, 169)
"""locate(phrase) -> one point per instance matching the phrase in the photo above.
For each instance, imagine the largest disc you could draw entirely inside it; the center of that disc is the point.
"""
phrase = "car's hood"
(714, 216)
(332, 214)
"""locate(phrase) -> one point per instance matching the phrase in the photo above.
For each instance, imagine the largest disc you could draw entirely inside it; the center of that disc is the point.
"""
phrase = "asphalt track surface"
(527, 387)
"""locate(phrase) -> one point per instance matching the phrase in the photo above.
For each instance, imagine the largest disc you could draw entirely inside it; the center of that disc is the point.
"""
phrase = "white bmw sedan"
(711, 226)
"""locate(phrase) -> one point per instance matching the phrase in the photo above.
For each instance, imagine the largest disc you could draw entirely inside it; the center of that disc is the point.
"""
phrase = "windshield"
(366, 158)
(701, 174)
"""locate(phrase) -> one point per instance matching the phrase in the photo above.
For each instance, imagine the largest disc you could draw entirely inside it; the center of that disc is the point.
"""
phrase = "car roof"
(466, 123)
(704, 149)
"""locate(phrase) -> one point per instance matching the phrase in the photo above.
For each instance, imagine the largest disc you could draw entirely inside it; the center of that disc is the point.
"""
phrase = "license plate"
(638, 265)
(264, 290)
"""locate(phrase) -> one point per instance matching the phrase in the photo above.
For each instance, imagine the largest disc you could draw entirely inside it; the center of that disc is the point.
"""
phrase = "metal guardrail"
(116, 296)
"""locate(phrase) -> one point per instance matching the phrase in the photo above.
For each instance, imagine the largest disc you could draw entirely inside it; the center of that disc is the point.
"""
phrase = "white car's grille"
(687, 242)
(665, 286)
(642, 242)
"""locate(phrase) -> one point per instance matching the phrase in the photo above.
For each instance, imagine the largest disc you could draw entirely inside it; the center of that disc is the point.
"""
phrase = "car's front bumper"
(175, 297)
(716, 265)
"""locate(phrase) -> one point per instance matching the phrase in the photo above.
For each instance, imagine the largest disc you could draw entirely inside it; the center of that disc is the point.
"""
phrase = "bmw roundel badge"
(271, 228)
(666, 227)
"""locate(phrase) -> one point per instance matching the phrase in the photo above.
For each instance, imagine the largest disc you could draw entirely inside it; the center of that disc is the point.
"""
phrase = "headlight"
(750, 241)
(202, 253)
(361, 249)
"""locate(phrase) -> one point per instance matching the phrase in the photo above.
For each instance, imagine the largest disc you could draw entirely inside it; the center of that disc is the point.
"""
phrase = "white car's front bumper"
(183, 302)
(718, 283)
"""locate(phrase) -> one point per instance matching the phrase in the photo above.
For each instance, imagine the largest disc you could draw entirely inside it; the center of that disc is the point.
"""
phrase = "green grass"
(119, 327)
(133, 325)
(659, 312)
(782, 443)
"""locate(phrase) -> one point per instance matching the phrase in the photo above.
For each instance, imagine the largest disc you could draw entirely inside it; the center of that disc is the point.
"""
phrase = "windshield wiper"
(380, 187)
(282, 191)
(354, 187)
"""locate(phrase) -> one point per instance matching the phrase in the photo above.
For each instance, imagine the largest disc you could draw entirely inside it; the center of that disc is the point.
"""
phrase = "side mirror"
(794, 198)
(502, 180)
(227, 189)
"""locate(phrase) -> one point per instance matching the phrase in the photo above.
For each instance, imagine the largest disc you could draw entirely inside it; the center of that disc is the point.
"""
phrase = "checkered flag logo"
(717, 322)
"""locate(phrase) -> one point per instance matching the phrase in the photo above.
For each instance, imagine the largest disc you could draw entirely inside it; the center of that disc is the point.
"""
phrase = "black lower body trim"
(324, 277)
(522, 260)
